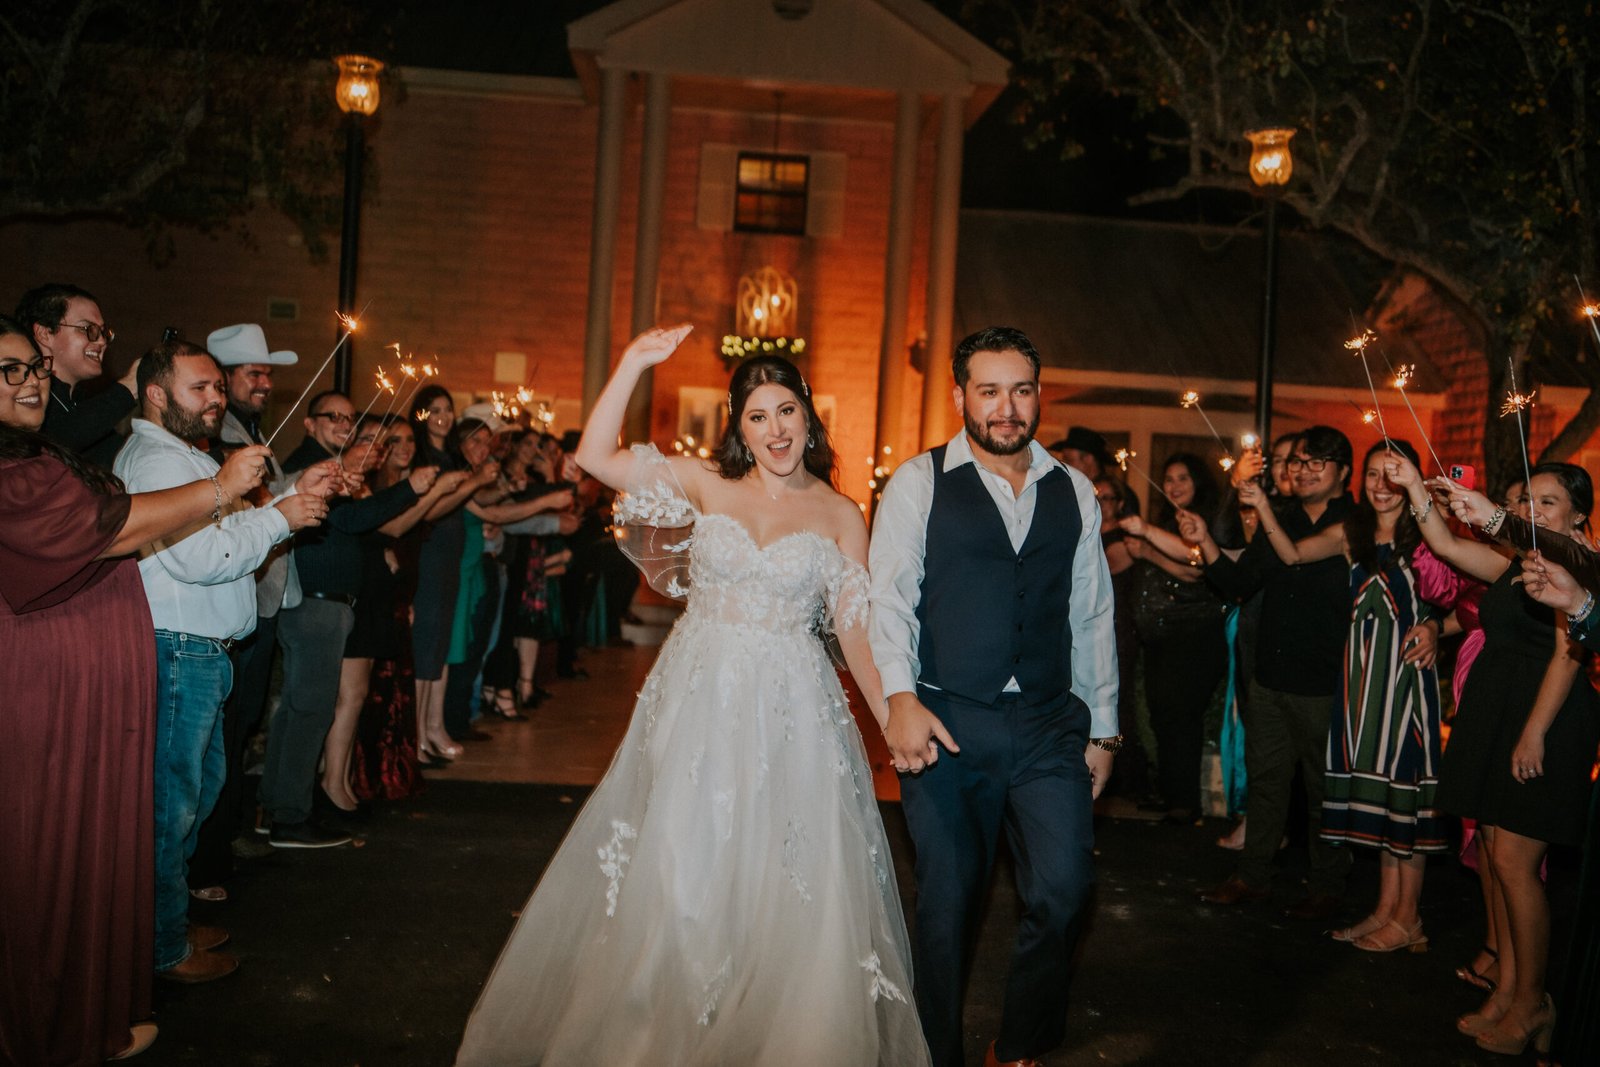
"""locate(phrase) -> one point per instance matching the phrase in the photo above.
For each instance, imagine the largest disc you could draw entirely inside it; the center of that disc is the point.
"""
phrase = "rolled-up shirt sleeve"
(1094, 638)
(896, 561)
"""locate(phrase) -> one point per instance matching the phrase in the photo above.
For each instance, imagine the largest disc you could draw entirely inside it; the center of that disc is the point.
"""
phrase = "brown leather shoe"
(1314, 906)
(201, 966)
(1234, 891)
(205, 937)
(990, 1061)
(140, 1037)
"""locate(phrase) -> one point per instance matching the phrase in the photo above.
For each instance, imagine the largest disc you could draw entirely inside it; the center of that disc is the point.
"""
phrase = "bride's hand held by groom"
(914, 734)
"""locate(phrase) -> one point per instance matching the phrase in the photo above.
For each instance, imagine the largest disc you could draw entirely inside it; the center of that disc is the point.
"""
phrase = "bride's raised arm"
(598, 451)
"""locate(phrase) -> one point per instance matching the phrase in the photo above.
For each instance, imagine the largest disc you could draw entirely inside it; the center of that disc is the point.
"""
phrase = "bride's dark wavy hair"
(733, 457)
(17, 443)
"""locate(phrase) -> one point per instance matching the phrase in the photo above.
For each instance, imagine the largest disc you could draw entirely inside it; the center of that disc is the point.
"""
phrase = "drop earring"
(809, 442)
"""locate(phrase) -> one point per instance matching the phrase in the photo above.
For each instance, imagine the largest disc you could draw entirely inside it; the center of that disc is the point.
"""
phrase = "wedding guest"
(201, 588)
(313, 634)
(1179, 619)
(65, 323)
(77, 732)
(1521, 751)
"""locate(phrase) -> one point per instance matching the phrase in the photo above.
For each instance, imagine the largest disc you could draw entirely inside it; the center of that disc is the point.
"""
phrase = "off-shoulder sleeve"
(847, 595)
(52, 528)
(655, 523)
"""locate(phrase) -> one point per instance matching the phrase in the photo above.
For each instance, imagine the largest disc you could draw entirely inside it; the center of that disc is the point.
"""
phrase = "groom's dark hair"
(992, 339)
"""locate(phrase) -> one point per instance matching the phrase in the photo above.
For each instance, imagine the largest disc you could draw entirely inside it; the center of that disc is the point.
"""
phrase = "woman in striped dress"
(1383, 748)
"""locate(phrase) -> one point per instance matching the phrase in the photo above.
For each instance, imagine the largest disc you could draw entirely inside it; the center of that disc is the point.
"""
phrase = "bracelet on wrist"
(216, 511)
(1421, 514)
(1584, 611)
(1496, 520)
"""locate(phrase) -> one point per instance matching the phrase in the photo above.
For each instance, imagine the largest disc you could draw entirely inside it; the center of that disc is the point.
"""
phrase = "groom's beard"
(1001, 437)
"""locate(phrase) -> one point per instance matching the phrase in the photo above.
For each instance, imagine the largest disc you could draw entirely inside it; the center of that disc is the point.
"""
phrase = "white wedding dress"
(726, 896)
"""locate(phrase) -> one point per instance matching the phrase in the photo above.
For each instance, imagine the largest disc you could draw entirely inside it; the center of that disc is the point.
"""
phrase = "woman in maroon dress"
(77, 907)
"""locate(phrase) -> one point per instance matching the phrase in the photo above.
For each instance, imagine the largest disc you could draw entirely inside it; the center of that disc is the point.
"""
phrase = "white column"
(897, 274)
(647, 241)
(603, 235)
(936, 382)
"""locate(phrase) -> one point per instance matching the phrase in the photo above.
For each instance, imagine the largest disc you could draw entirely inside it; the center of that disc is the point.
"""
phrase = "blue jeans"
(193, 677)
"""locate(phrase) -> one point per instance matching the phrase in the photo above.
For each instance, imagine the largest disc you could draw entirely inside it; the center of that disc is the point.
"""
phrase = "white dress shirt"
(203, 582)
(899, 544)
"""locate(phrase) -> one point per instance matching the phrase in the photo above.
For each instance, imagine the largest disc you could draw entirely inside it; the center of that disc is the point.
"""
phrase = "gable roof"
(1137, 302)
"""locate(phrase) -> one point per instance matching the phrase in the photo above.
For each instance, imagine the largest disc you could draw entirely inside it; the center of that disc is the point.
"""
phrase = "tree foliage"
(1453, 138)
(175, 112)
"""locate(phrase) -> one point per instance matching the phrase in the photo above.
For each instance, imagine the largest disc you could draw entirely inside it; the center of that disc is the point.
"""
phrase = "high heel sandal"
(433, 750)
(1475, 1023)
(1540, 1027)
(1477, 979)
(505, 706)
(529, 695)
(1414, 940)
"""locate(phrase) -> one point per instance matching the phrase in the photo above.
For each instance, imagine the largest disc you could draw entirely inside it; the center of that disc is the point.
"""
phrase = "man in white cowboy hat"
(247, 368)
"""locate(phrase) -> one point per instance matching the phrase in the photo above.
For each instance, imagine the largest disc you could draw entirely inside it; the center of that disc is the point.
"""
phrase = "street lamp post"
(358, 95)
(1271, 165)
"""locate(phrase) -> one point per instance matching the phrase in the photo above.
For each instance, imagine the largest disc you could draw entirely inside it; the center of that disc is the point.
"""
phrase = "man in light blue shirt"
(200, 583)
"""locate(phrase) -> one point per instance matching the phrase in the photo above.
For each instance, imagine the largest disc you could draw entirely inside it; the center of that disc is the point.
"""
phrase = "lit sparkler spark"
(1403, 375)
(1591, 310)
(1359, 344)
(1517, 402)
(408, 370)
(1189, 399)
(1249, 440)
(422, 415)
(1369, 416)
(1226, 463)
(1122, 455)
(350, 322)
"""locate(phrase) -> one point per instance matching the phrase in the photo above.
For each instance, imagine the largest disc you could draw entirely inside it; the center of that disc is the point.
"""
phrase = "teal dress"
(473, 588)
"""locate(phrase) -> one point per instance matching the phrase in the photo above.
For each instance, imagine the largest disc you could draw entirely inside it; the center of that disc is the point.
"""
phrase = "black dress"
(1475, 778)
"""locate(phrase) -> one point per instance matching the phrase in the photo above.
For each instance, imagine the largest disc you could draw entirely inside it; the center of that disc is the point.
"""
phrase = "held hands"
(486, 474)
(914, 735)
(449, 482)
(244, 470)
(302, 510)
(422, 479)
(656, 344)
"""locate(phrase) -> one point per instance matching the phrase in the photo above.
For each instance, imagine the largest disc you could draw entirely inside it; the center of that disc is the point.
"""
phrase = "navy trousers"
(1021, 770)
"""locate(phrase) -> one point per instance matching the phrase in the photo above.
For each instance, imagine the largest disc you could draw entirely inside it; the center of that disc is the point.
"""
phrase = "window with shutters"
(770, 192)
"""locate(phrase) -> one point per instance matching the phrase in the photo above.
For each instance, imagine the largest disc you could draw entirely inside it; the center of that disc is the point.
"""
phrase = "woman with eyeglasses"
(1521, 748)
(77, 910)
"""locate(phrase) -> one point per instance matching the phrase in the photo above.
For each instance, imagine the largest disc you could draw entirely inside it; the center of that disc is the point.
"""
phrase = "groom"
(991, 626)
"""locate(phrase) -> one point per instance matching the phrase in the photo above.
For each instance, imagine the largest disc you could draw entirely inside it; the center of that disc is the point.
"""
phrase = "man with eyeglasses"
(1299, 646)
(66, 324)
(312, 635)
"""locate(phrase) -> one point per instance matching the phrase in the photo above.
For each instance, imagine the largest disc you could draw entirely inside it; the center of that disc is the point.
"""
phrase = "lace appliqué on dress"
(655, 523)
(881, 988)
(614, 861)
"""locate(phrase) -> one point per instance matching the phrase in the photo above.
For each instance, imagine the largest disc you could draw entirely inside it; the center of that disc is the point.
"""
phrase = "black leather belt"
(337, 598)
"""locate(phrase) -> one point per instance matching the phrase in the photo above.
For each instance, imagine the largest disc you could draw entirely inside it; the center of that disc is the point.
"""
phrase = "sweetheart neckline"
(759, 547)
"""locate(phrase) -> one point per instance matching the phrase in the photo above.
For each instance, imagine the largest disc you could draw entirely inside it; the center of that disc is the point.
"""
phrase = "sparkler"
(1402, 378)
(1590, 311)
(1191, 399)
(350, 324)
(1513, 405)
(1124, 458)
(1358, 345)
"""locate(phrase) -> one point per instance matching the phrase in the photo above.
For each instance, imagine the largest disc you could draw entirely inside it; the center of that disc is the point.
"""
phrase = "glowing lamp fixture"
(1271, 162)
(766, 310)
(357, 90)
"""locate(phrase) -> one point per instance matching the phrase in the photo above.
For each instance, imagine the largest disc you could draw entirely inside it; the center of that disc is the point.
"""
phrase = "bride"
(726, 896)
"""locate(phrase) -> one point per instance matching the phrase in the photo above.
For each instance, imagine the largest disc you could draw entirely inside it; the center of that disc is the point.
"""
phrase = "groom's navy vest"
(988, 612)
